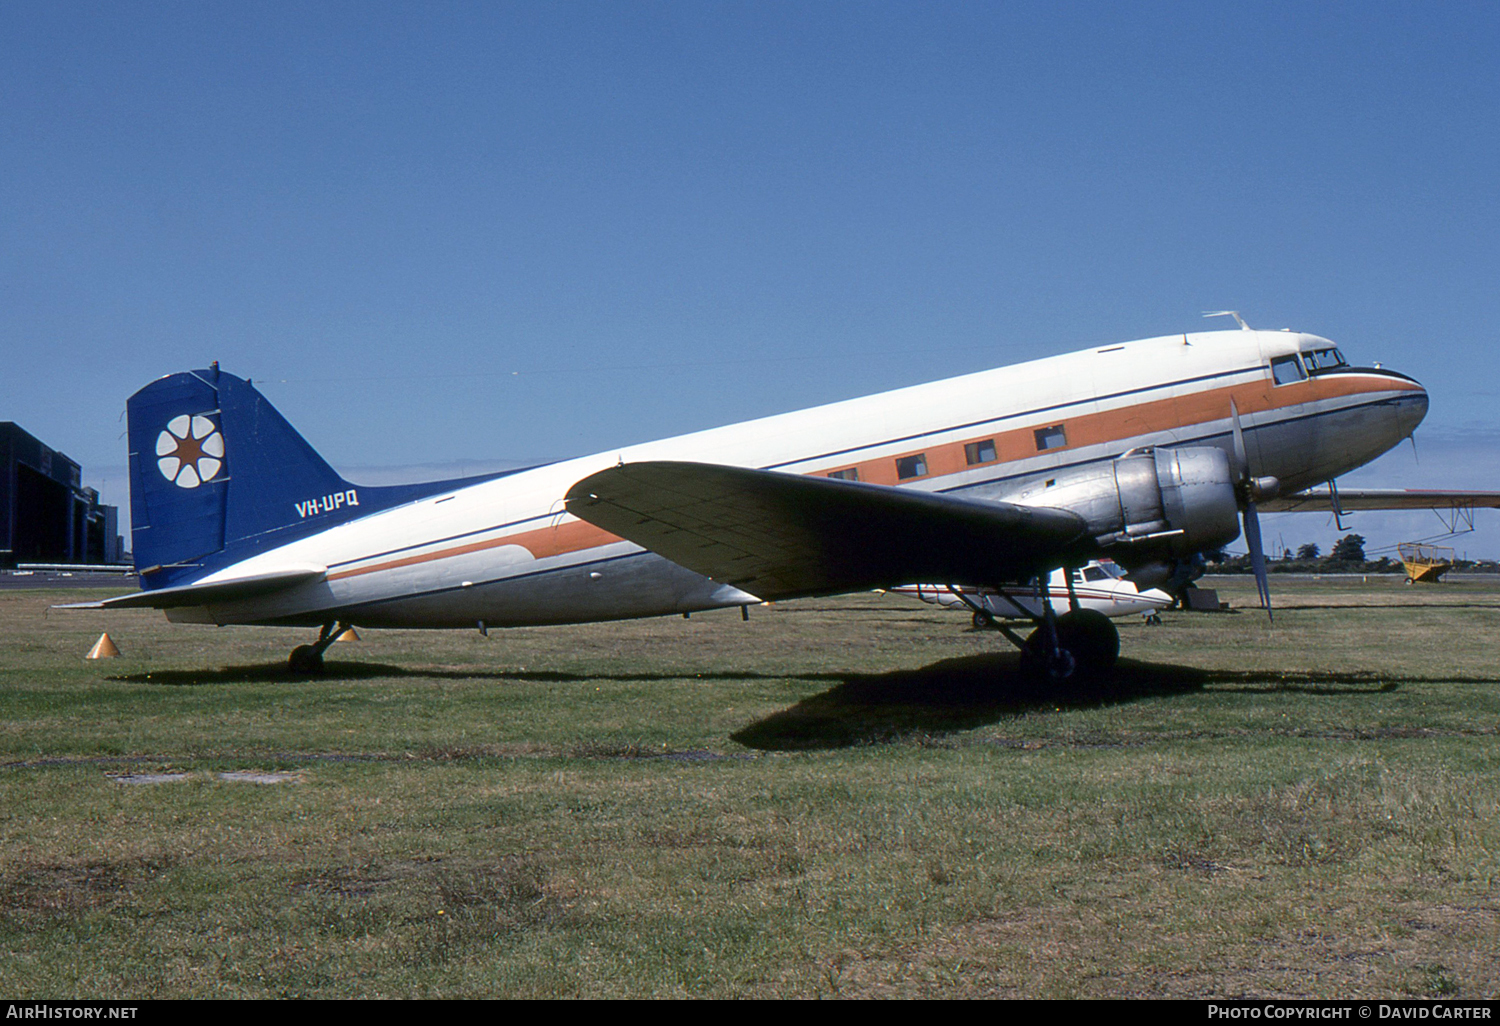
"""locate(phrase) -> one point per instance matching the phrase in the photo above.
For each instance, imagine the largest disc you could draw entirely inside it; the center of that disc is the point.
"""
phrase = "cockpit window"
(1324, 359)
(1287, 369)
(1094, 573)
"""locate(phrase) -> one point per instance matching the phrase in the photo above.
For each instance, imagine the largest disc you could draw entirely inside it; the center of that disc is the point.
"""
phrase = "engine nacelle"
(1147, 504)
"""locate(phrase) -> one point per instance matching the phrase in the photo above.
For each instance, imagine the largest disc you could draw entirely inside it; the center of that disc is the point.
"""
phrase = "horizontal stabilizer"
(213, 593)
(1316, 500)
(780, 535)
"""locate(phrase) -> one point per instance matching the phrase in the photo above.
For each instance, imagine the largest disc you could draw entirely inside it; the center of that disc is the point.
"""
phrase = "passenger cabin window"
(1053, 437)
(850, 474)
(1324, 359)
(1287, 369)
(912, 466)
(980, 452)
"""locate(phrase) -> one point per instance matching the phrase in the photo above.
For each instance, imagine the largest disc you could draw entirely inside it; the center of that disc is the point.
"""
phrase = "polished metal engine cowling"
(1148, 502)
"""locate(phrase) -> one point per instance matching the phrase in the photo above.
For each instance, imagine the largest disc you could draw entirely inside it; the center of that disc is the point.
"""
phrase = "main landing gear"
(307, 660)
(1083, 643)
(1077, 645)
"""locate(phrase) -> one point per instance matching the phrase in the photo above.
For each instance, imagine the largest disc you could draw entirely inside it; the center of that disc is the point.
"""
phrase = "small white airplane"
(1144, 452)
(1101, 585)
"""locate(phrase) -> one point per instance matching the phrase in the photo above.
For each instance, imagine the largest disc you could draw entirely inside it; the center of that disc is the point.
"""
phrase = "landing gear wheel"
(306, 659)
(979, 620)
(1087, 645)
(1055, 667)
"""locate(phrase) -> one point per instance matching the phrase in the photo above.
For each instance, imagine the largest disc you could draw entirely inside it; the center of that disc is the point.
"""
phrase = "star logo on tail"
(190, 451)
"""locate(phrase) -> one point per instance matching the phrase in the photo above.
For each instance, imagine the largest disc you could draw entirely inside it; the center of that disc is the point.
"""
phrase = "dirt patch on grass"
(361, 881)
(147, 778)
(508, 893)
(62, 889)
(1433, 951)
(259, 777)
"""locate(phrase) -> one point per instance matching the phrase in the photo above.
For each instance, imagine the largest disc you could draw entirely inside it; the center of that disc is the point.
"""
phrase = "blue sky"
(455, 234)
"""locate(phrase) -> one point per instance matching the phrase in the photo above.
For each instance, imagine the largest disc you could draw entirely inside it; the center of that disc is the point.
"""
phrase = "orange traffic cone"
(104, 648)
(348, 635)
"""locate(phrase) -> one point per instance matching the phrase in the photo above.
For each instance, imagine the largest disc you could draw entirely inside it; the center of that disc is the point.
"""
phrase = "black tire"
(305, 660)
(1088, 645)
(1092, 638)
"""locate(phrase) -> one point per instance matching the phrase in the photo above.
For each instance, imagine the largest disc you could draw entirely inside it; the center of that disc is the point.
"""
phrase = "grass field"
(856, 797)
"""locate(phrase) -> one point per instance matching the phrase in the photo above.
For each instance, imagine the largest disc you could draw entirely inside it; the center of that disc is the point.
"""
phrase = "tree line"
(1347, 557)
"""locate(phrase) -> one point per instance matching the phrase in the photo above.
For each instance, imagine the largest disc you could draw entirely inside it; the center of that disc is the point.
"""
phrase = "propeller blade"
(1246, 489)
(1258, 557)
(1241, 457)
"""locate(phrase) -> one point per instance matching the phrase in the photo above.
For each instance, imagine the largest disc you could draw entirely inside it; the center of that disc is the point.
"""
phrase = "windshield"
(1287, 369)
(1323, 359)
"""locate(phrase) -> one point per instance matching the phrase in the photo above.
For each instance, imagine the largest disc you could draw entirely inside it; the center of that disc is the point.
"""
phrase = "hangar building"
(46, 516)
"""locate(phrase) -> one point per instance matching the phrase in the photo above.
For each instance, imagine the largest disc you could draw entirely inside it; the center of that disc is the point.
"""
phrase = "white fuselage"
(504, 552)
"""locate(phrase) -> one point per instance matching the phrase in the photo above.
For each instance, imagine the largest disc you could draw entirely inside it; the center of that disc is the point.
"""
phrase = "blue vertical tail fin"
(217, 475)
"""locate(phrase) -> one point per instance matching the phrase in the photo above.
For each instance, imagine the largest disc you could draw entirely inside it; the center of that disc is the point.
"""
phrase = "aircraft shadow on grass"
(944, 697)
(261, 673)
(337, 672)
(948, 696)
(973, 691)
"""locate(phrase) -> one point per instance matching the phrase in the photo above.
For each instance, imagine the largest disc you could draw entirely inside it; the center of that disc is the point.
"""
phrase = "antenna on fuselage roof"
(1228, 313)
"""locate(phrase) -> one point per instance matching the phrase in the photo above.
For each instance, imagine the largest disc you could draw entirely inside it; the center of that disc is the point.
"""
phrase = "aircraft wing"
(1354, 499)
(229, 590)
(780, 535)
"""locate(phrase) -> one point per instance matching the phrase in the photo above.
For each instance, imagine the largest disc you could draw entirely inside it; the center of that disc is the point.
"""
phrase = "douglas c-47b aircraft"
(1146, 453)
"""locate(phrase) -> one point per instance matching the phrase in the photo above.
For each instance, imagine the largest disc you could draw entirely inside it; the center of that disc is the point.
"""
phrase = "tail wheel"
(305, 660)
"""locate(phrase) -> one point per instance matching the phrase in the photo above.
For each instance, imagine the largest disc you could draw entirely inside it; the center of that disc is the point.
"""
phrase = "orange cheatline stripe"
(574, 536)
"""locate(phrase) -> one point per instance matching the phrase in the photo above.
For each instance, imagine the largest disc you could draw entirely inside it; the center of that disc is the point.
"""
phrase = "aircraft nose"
(1411, 409)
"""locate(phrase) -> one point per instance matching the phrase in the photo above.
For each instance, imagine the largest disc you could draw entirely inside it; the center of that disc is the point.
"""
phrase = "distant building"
(46, 515)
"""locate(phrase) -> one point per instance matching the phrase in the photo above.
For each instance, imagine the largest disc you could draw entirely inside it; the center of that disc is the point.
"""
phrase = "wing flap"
(782, 535)
(210, 593)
